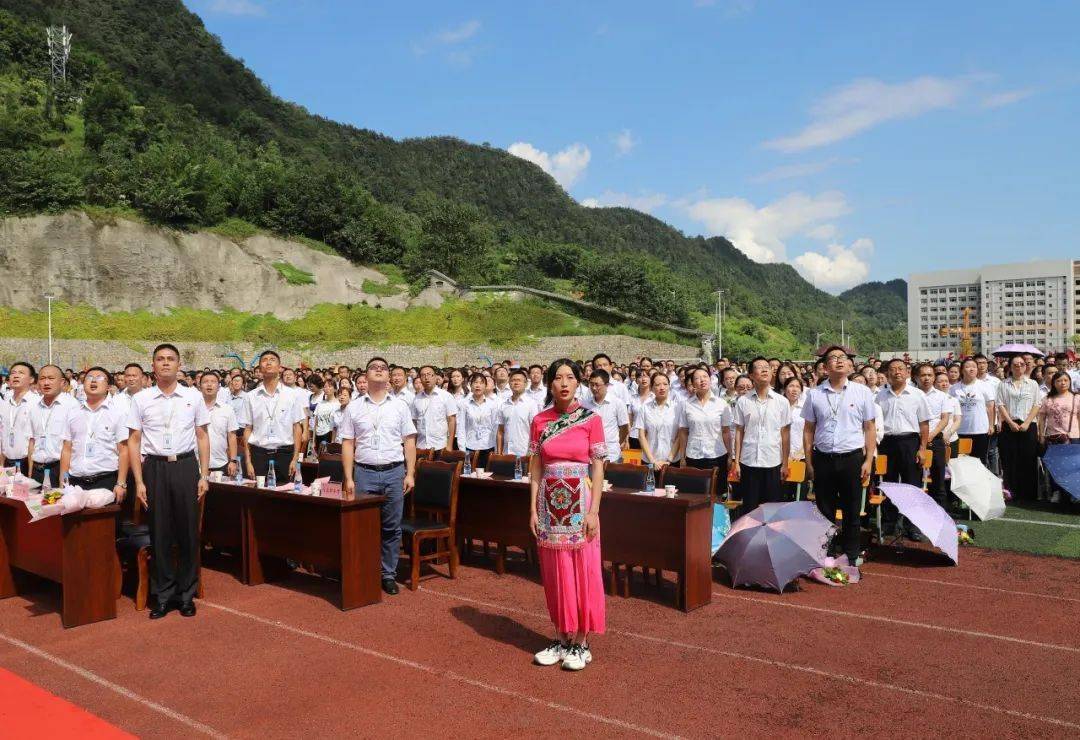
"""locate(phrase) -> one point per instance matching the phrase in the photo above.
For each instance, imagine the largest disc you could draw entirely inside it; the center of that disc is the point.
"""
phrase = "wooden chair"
(456, 456)
(625, 475)
(504, 464)
(330, 465)
(633, 457)
(146, 554)
(690, 480)
(333, 448)
(432, 516)
(425, 455)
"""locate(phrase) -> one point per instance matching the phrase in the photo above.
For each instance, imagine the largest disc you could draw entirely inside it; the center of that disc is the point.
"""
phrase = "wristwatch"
(122, 485)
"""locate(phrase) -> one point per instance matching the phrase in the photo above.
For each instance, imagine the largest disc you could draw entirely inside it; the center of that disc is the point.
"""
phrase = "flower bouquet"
(965, 534)
(835, 572)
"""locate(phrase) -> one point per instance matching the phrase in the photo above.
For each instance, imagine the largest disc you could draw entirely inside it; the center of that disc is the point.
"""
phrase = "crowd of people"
(164, 429)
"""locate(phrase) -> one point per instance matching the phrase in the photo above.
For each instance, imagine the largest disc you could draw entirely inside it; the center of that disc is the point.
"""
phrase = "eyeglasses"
(835, 358)
(378, 367)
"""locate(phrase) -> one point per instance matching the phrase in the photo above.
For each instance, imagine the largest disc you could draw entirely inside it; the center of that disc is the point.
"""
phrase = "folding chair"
(633, 457)
(797, 475)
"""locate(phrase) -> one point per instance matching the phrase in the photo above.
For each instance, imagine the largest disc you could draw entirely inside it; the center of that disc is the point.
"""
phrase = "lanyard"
(835, 409)
(95, 414)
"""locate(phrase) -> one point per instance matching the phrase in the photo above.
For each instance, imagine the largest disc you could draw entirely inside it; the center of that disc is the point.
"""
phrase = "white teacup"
(669, 490)
(260, 481)
(479, 471)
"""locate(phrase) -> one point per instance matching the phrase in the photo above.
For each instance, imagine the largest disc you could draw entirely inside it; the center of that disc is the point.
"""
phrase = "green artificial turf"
(1039, 539)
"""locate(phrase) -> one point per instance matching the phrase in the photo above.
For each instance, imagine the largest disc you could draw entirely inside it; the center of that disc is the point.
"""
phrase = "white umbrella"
(977, 487)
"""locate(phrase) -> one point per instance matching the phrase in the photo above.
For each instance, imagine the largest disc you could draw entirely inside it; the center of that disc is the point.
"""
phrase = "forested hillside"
(156, 118)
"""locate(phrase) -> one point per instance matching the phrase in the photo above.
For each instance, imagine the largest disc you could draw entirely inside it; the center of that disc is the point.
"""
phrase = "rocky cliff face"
(126, 266)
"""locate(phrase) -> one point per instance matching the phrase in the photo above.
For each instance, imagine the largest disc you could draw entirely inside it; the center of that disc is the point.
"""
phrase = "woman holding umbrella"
(1059, 422)
(1018, 405)
(566, 481)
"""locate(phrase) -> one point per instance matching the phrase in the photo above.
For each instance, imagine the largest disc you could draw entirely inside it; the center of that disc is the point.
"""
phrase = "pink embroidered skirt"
(570, 566)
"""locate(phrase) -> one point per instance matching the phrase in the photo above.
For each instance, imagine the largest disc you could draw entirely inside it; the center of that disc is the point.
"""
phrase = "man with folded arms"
(167, 422)
(377, 433)
(95, 437)
(15, 431)
(272, 417)
(48, 419)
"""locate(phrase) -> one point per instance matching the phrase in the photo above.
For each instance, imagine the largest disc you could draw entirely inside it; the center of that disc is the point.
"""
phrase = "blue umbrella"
(1062, 463)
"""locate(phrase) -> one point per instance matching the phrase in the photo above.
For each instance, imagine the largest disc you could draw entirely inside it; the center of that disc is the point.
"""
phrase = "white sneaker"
(575, 658)
(552, 654)
(588, 653)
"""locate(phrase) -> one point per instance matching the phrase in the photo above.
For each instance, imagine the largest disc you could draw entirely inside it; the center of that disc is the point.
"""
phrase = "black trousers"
(903, 467)
(19, 465)
(54, 472)
(321, 438)
(482, 456)
(838, 485)
(261, 457)
(720, 463)
(937, 471)
(635, 443)
(980, 446)
(1019, 460)
(101, 480)
(171, 492)
(758, 486)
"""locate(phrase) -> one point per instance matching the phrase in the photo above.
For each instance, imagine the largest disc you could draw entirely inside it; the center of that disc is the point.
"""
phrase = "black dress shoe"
(916, 536)
(187, 609)
(159, 611)
(389, 585)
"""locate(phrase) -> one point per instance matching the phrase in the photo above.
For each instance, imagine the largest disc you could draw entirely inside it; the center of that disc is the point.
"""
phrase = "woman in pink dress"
(566, 477)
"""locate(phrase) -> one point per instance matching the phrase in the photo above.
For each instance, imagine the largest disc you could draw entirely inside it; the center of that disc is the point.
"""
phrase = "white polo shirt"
(271, 416)
(613, 413)
(167, 422)
(504, 393)
(838, 416)
(660, 423)
(973, 399)
(762, 422)
(405, 394)
(939, 404)
(47, 424)
(515, 418)
(431, 414)
(480, 422)
(704, 422)
(378, 428)
(636, 402)
(222, 423)
(903, 412)
(537, 395)
(15, 428)
(94, 435)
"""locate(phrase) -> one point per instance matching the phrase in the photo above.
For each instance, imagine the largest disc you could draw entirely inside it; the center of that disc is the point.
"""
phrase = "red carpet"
(28, 711)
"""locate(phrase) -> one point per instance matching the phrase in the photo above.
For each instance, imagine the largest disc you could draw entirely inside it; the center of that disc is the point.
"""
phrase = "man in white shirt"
(434, 412)
(515, 418)
(222, 428)
(48, 419)
(617, 390)
(940, 406)
(762, 441)
(612, 412)
(840, 442)
(991, 381)
(272, 418)
(168, 422)
(378, 435)
(399, 385)
(95, 453)
(15, 428)
(502, 383)
(536, 390)
(906, 417)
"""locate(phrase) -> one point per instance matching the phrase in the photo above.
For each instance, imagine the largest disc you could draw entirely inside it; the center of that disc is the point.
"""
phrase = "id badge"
(11, 438)
(167, 441)
(89, 449)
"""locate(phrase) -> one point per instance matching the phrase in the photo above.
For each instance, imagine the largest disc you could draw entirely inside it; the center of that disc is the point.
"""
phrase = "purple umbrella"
(925, 513)
(1017, 349)
(775, 544)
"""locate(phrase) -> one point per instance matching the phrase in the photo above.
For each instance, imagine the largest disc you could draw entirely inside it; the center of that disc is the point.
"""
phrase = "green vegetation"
(382, 289)
(236, 229)
(315, 244)
(499, 322)
(1039, 539)
(156, 117)
(294, 275)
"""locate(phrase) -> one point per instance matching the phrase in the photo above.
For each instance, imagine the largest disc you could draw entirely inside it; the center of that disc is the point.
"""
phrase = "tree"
(108, 112)
(456, 240)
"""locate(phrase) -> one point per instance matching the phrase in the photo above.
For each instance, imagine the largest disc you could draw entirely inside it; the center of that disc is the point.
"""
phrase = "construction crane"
(967, 332)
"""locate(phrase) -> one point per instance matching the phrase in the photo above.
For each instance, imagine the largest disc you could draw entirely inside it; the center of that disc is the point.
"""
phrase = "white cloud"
(761, 233)
(824, 233)
(457, 34)
(1008, 97)
(237, 7)
(624, 142)
(865, 103)
(566, 166)
(805, 169)
(840, 267)
(644, 202)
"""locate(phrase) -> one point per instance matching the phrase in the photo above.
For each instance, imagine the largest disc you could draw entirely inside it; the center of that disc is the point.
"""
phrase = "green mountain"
(156, 117)
(884, 303)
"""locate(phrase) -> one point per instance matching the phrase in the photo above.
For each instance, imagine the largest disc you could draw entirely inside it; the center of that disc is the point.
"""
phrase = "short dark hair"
(210, 372)
(892, 361)
(165, 345)
(270, 352)
(602, 374)
(598, 355)
(376, 358)
(832, 347)
(759, 358)
(27, 365)
(519, 371)
(100, 369)
(538, 367)
(134, 364)
(314, 380)
(52, 365)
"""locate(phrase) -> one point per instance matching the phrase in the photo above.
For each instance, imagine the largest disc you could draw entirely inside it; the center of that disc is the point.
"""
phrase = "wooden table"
(76, 550)
(672, 534)
(269, 526)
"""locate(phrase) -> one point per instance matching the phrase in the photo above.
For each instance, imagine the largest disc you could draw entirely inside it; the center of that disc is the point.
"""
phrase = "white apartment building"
(1032, 302)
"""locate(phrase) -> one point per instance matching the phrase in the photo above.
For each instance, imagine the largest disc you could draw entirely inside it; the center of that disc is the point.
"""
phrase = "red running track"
(991, 648)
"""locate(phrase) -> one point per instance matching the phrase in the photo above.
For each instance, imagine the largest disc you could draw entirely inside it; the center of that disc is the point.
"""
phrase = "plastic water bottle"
(46, 482)
(467, 470)
(517, 468)
(239, 477)
(298, 481)
(650, 479)
(271, 476)
(65, 481)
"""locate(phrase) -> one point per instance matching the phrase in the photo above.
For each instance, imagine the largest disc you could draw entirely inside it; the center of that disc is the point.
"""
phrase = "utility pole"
(719, 323)
(49, 298)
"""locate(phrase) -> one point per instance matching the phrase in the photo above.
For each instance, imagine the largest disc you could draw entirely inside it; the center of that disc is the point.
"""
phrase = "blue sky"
(855, 140)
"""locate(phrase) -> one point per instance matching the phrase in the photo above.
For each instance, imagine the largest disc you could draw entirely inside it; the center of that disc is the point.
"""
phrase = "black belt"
(377, 468)
(90, 479)
(272, 450)
(905, 435)
(171, 458)
(836, 455)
